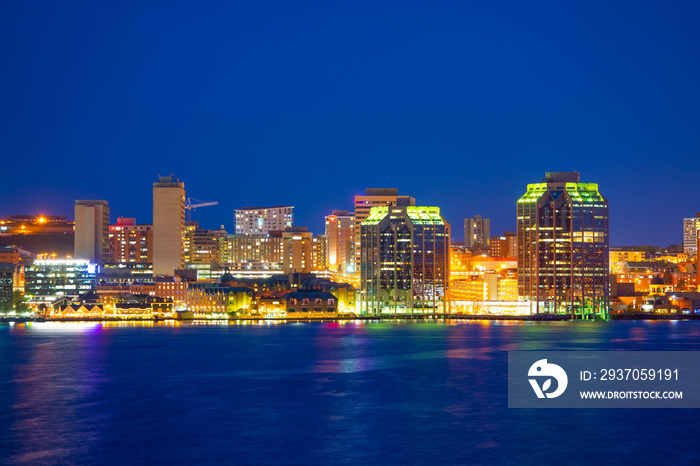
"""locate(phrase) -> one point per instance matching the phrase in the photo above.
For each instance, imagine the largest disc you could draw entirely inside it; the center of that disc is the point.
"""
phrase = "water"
(317, 393)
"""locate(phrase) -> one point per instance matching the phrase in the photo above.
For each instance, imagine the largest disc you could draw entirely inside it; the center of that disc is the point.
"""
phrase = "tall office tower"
(340, 230)
(129, 242)
(168, 225)
(373, 198)
(92, 231)
(258, 221)
(405, 261)
(563, 246)
(504, 246)
(477, 232)
(691, 226)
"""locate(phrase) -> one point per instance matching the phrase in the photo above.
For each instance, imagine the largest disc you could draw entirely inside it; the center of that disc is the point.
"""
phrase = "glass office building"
(563, 247)
(49, 280)
(404, 253)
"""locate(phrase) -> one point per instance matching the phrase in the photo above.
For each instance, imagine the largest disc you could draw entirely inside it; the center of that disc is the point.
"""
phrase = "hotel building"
(405, 261)
(259, 221)
(563, 247)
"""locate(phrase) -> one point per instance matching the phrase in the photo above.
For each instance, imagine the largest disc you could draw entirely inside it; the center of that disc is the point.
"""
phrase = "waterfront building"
(168, 225)
(129, 242)
(563, 246)
(47, 280)
(374, 197)
(691, 227)
(172, 288)
(505, 245)
(405, 260)
(340, 230)
(221, 297)
(259, 221)
(477, 232)
(92, 231)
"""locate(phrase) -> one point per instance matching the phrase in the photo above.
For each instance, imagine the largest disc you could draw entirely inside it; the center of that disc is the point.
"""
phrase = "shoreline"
(424, 317)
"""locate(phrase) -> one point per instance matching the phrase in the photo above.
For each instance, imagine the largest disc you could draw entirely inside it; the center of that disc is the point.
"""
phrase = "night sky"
(458, 104)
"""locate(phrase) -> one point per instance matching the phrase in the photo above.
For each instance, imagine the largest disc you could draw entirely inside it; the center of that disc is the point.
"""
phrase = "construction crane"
(190, 207)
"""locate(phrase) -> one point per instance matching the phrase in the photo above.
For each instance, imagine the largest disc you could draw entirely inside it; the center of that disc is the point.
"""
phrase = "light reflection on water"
(309, 393)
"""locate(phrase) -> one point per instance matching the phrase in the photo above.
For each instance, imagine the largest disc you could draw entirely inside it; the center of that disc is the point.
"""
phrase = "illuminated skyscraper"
(373, 198)
(340, 230)
(477, 232)
(92, 231)
(168, 225)
(563, 246)
(405, 261)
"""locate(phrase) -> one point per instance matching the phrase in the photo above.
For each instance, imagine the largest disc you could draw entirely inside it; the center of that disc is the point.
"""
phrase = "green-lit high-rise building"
(563, 247)
(404, 252)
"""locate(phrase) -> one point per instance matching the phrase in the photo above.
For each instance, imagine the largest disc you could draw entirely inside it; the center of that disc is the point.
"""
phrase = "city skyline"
(214, 221)
(456, 105)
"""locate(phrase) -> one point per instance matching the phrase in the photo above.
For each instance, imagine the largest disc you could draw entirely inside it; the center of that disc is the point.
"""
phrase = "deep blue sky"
(459, 104)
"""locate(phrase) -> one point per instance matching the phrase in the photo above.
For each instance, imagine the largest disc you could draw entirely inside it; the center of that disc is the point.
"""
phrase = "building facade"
(297, 250)
(504, 246)
(92, 231)
(563, 247)
(50, 279)
(254, 252)
(405, 261)
(691, 227)
(259, 221)
(129, 242)
(340, 231)
(202, 246)
(374, 197)
(7, 273)
(168, 225)
(477, 232)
